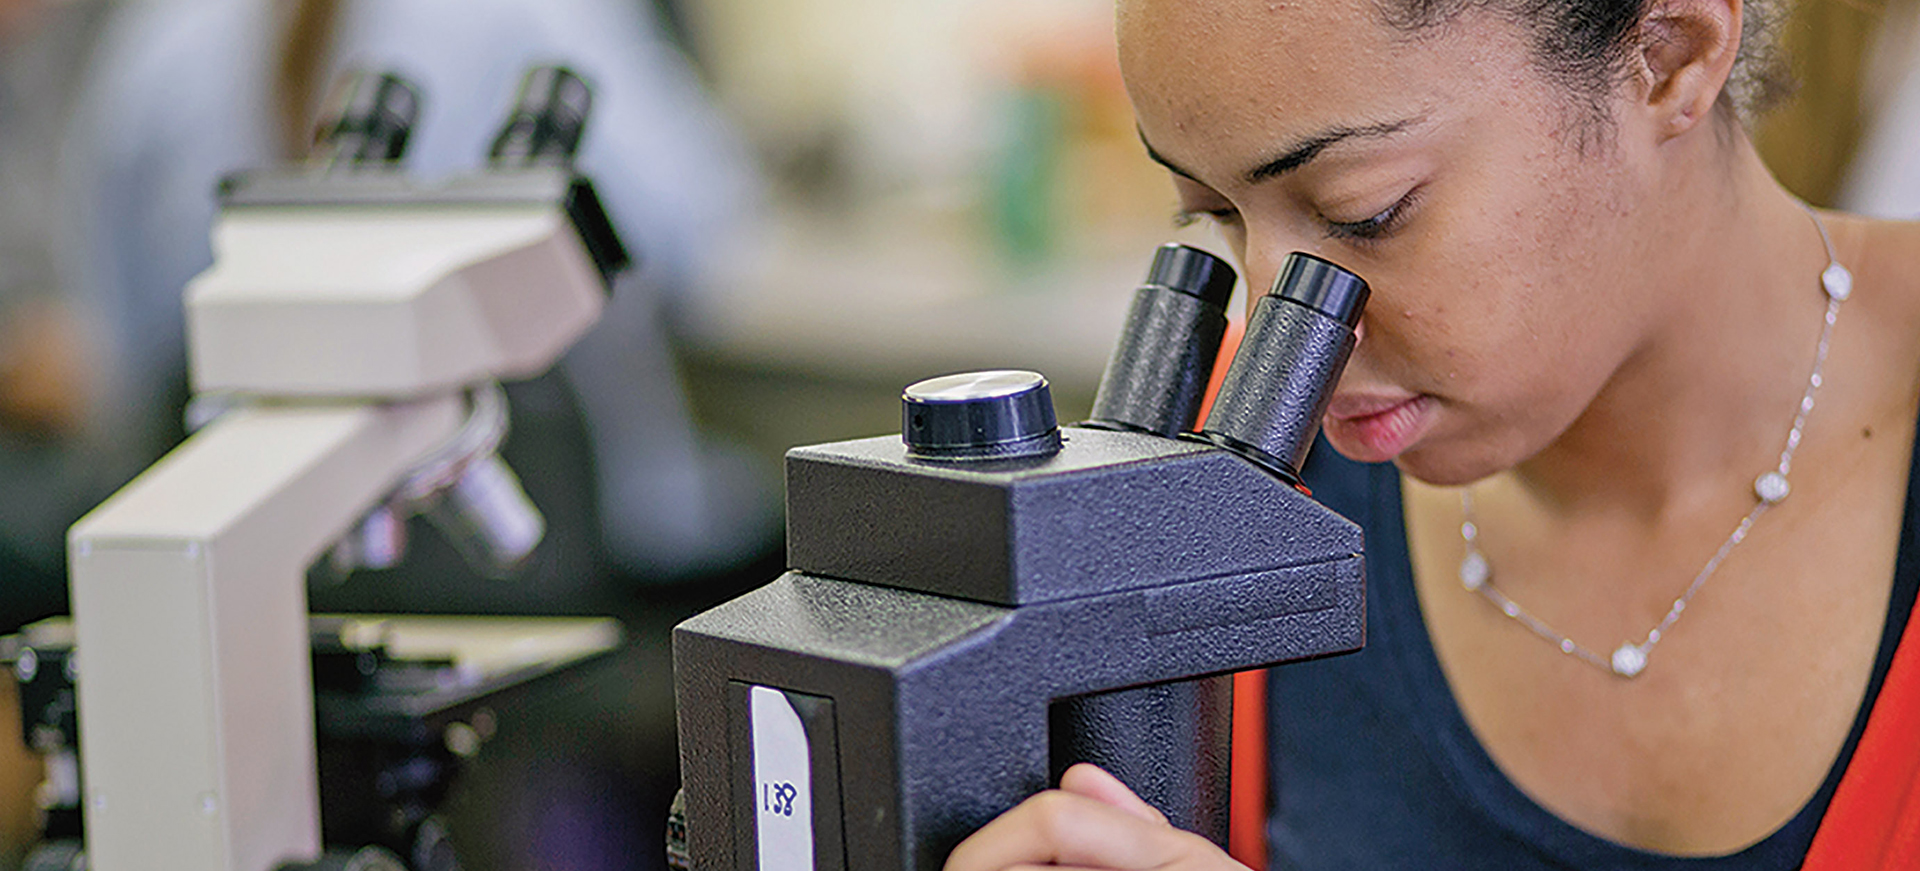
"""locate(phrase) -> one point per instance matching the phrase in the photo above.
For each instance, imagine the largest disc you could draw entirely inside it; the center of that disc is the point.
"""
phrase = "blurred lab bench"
(813, 339)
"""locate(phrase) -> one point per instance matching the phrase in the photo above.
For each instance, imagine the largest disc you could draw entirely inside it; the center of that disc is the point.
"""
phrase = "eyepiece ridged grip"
(549, 116)
(1158, 374)
(1297, 344)
(367, 120)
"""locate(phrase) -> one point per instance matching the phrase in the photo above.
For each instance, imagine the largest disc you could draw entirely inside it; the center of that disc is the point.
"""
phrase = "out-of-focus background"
(830, 199)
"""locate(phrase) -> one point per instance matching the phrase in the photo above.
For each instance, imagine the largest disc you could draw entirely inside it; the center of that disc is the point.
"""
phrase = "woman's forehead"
(1236, 76)
(1249, 41)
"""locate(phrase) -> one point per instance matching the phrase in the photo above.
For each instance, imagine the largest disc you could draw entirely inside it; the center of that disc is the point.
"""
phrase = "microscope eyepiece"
(549, 117)
(1297, 343)
(998, 414)
(368, 119)
(1323, 287)
(1158, 374)
(1193, 272)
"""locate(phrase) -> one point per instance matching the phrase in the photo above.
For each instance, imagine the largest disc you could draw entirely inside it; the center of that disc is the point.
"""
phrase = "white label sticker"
(782, 783)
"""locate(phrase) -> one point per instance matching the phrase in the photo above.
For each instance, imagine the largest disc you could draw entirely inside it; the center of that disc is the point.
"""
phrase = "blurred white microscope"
(353, 328)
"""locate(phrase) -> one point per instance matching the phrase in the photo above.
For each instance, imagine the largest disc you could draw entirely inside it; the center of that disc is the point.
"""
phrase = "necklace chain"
(1770, 489)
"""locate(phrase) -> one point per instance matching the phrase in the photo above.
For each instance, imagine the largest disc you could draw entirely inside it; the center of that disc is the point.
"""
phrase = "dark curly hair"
(1583, 44)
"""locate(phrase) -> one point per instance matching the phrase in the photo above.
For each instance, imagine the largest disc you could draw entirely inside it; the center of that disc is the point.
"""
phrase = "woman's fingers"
(1065, 828)
(1094, 782)
(1093, 821)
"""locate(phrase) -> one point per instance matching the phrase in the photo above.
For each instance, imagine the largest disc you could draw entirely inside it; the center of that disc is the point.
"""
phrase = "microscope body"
(900, 679)
(357, 321)
(987, 599)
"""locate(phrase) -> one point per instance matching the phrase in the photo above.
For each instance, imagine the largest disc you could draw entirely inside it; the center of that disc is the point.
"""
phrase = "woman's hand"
(1091, 821)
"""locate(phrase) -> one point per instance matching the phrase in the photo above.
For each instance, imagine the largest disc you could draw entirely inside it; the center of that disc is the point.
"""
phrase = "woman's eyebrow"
(1297, 156)
(1308, 149)
(1156, 157)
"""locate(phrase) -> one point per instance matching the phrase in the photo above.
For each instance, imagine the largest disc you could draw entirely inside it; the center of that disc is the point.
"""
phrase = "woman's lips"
(1374, 429)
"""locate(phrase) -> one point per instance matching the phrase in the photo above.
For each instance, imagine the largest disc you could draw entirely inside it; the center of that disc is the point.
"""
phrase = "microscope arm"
(189, 598)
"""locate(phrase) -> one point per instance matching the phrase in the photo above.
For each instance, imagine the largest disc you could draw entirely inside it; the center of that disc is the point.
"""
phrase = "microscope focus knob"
(998, 414)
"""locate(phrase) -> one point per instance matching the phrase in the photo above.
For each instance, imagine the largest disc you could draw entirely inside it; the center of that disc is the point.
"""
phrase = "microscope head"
(343, 278)
(983, 497)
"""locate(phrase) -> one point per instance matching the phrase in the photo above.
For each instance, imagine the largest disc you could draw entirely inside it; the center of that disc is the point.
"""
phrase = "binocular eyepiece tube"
(1171, 742)
(1276, 390)
(368, 120)
(1157, 377)
(1297, 343)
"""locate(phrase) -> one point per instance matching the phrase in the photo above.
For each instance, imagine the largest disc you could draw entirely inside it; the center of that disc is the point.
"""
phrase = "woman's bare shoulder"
(1884, 257)
(1885, 260)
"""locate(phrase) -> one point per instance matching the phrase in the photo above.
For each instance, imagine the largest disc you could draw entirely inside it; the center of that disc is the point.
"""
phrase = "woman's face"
(1494, 220)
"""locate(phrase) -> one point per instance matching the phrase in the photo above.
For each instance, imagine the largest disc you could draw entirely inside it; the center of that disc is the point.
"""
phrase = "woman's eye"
(1188, 217)
(1375, 228)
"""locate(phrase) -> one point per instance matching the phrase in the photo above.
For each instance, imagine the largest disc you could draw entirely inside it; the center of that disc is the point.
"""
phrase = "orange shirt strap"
(1873, 823)
(1247, 816)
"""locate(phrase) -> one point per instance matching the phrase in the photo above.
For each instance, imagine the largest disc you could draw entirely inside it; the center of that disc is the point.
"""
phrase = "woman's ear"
(1685, 55)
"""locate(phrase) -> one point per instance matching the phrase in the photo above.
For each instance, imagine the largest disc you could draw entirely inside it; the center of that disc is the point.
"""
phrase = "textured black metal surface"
(1281, 379)
(1158, 374)
(943, 704)
(1136, 561)
(1112, 511)
(981, 626)
(1172, 743)
(1133, 561)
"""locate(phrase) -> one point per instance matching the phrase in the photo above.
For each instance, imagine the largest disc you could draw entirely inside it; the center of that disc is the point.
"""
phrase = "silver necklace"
(1770, 489)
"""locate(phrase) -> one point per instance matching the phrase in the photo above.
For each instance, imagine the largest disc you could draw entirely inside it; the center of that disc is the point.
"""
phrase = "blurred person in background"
(179, 94)
(59, 454)
(56, 460)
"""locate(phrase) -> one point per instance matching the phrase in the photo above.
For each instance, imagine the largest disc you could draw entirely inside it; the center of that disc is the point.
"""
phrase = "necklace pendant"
(1772, 488)
(1474, 571)
(1837, 281)
(1629, 660)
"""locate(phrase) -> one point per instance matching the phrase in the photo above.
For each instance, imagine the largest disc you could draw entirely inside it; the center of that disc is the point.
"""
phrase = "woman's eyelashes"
(1376, 228)
(1226, 216)
(1370, 230)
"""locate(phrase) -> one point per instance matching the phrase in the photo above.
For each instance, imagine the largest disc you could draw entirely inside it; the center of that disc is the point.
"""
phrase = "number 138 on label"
(783, 772)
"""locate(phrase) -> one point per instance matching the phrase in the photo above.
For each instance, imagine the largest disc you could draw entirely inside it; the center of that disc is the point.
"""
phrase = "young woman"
(1639, 565)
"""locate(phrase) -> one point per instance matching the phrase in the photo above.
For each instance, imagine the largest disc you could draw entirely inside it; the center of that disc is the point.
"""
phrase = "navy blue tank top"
(1374, 767)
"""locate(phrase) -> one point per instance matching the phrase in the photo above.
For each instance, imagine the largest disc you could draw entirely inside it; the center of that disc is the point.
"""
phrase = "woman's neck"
(1704, 403)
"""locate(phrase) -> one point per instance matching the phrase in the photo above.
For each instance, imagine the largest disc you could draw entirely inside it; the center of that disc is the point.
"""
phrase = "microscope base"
(875, 727)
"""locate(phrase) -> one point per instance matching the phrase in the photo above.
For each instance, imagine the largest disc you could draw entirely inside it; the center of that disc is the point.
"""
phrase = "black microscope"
(988, 598)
